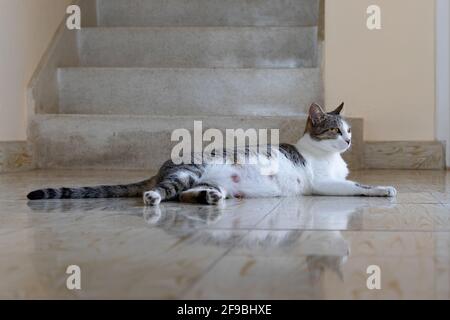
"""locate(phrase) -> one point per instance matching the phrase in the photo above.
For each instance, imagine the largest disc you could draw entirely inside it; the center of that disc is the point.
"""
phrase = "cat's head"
(328, 130)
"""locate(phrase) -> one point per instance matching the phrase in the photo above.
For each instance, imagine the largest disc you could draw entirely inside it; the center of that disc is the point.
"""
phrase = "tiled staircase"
(143, 68)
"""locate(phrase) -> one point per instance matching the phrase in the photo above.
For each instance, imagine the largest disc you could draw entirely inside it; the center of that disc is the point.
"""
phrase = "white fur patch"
(253, 180)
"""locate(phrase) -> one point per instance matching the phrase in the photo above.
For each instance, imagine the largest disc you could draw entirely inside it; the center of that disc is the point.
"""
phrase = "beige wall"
(386, 76)
(26, 28)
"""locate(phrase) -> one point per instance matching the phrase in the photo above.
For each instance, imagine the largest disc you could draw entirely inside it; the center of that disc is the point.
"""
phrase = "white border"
(443, 74)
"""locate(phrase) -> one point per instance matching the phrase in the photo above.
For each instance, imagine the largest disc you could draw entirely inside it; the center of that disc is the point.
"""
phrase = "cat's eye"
(335, 130)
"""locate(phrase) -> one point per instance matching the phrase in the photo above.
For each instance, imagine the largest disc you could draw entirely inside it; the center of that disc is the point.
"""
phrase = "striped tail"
(133, 190)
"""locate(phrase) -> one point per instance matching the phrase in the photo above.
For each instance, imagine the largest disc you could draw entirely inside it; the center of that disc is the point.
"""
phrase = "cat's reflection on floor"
(121, 205)
(308, 228)
(316, 236)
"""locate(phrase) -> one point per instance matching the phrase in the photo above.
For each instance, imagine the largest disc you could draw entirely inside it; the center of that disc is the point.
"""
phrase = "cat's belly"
(250, 181)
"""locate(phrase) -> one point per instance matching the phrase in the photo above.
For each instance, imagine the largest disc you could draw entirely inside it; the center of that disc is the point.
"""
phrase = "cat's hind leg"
(152, 197)
(204, 193)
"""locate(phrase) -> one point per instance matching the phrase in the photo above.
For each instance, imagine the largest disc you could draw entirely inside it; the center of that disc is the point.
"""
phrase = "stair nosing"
(219, 28)
(182, 68)
(130, 116)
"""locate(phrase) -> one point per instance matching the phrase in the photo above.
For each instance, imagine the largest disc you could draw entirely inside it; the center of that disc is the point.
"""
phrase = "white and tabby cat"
(313, 166)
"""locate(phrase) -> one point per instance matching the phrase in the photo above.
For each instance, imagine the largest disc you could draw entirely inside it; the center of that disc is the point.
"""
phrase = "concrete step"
(190, 47)
(140, 142)
(144, 91)
(124, 13)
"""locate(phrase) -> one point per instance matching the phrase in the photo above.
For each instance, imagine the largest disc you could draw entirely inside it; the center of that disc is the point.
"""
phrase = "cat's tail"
(117, 191)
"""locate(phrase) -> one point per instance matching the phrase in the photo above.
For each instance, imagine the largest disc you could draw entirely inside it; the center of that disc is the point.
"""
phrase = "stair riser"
(188, 91)
(135, 143)
(199, 47)
(208, 12)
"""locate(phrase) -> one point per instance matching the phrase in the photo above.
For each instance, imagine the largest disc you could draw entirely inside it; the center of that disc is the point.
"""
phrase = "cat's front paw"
(385, 192)
(152, 198)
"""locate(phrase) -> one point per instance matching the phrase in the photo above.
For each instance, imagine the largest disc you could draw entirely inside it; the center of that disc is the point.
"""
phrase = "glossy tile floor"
(293, 248)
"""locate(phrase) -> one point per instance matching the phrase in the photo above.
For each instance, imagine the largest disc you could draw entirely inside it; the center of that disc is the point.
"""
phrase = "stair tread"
(86, 141)
(169, 91)
(137, 142)
(207, 12)
(211, 47)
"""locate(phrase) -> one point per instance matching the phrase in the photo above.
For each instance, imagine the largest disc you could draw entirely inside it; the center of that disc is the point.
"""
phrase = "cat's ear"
(316, 113)
(338, 110)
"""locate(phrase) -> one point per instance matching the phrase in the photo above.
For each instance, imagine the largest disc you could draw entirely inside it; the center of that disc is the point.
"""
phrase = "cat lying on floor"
(313, 166)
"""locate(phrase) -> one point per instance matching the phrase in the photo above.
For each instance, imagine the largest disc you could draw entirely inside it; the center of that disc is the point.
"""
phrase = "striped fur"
(117, 191)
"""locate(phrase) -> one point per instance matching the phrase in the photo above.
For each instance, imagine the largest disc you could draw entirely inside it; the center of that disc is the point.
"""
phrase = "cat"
(313, 166)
